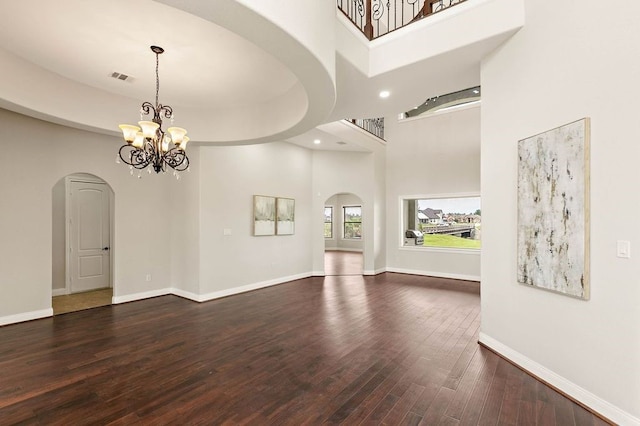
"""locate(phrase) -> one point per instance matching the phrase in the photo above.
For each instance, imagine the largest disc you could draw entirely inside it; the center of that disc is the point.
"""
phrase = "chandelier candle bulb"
(129, 132)
(177, 134)
(183, 145)
(138, 142)
(149, 128)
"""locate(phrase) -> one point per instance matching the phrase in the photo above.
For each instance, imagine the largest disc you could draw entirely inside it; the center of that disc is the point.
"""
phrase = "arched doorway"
(82, 249)
(344, 235)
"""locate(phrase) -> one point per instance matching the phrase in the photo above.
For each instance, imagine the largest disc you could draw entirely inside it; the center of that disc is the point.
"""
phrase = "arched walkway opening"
(343, 235)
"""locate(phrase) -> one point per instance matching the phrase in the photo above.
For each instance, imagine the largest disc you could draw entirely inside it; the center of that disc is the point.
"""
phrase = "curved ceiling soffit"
(54, 96)
(316, 80)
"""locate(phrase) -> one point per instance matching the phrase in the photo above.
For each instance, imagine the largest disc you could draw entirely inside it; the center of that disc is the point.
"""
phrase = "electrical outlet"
(148, 277)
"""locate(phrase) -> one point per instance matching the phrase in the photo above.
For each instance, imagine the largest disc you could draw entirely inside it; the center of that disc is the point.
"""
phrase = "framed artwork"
(553, 210)
(264, 215)
(286, 209)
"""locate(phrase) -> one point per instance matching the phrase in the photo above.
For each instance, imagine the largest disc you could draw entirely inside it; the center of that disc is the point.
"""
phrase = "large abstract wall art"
(553, 210)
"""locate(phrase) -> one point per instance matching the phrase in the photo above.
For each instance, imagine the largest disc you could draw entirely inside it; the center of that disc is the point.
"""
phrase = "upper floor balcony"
(375, 18)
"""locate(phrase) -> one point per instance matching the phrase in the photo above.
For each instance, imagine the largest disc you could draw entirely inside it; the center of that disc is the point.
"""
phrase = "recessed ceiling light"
(317, 141)
(384, 94)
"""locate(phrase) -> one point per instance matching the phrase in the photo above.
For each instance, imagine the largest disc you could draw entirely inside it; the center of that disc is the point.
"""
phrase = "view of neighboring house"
(431, 216)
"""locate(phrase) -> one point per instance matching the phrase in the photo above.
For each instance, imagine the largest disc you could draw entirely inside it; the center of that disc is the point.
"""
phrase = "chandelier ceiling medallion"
(149, 144)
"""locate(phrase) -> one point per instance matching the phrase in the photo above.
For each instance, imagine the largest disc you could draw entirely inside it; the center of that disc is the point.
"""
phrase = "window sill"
(472, 251)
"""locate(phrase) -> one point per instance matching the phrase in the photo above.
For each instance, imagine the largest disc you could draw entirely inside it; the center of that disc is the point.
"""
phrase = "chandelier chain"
(157, 77)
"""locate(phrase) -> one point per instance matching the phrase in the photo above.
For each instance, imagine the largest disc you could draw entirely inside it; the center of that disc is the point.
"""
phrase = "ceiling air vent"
(120, 76)
(341, 143)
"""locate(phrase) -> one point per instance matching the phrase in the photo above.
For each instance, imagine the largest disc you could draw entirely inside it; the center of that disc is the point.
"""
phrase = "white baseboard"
(592, 401)
(209, 296)
(435, 274)
(139, 296)
(355, 250)
(58, 292)
(26, 316)
(370, 272)
(249, 287)
(317, 274)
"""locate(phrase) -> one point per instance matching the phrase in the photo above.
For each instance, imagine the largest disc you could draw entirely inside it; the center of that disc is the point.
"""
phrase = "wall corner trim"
(595, 403)
(26, 316)
(186, 294)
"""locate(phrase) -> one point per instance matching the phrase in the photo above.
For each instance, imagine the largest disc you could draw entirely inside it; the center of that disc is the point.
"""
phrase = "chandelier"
(149, 144)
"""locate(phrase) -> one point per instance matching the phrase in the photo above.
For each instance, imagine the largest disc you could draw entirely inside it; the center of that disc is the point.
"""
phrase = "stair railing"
(375, 18)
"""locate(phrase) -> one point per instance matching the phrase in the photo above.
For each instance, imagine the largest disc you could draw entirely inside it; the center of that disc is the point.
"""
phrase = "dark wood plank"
(393, 349)
(512, 397)
(493, 402)
(435, 413)
(401, 409)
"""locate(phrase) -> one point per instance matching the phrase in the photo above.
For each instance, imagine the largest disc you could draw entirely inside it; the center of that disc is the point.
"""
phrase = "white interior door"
(89, 236)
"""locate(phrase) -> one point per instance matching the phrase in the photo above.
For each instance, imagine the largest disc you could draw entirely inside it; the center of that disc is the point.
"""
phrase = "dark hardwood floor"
(391, 349)
(343, 262)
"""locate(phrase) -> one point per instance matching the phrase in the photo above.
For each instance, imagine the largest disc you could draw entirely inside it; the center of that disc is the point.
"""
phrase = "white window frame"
(344, 222)
(402, 224)
(332, 222)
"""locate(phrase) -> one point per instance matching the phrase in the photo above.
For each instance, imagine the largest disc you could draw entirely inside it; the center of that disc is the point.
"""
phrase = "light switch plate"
(226, 231)
(624, 249)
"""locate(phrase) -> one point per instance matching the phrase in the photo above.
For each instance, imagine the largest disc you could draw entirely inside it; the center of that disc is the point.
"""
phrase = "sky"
(451, 205)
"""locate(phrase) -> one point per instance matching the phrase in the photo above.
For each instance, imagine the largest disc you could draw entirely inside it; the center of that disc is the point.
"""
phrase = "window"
(328, 222)
(352, 219)
(454, 222)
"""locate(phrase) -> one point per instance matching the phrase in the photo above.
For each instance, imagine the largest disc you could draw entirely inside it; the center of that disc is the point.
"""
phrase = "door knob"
(105, 248)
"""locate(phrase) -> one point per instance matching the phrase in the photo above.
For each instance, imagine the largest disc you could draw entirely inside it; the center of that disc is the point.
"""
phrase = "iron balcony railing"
(375, 126)
(375, 18)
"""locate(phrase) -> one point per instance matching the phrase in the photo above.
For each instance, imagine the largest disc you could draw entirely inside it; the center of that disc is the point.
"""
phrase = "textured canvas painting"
(553, 210)
(285, 216)
(264, 215)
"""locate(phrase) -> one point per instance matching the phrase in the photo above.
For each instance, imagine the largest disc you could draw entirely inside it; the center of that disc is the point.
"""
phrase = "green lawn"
(435, 240)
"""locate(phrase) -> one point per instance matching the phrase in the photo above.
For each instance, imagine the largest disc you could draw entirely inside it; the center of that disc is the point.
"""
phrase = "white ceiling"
(57, 57)
(204, 65)
(328, 141)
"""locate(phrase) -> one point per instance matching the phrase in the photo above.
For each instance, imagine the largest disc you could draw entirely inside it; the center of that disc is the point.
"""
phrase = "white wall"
(172, 230)
(58, 259)
(37, 155)
(229, 178)
(431, 156)
(338, 242)
(185, 228)
(571, 60)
